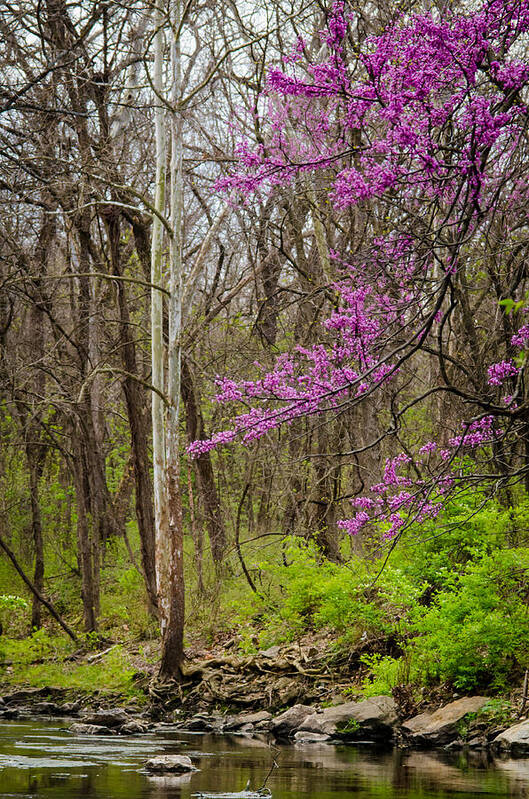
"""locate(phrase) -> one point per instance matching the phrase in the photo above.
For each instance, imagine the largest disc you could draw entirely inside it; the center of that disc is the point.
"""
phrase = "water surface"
(44, 761)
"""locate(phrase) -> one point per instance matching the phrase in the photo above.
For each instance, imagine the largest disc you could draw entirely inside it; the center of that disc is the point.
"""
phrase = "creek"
(42, 760)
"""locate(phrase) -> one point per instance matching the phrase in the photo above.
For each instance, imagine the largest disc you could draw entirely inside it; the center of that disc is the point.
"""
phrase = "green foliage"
(39, 660)
(349, 727)
(452, 599)
(315, 594)
(124, 608)
(13, 610)
(476, 633)
(385, 673)
(498, 712)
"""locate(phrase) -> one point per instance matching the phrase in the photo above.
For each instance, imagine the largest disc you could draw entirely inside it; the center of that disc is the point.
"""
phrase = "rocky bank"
(377, 721)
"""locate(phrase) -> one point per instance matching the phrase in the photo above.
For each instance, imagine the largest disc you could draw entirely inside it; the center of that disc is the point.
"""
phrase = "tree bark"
(137, 422)
(209, 498)
(36, 527)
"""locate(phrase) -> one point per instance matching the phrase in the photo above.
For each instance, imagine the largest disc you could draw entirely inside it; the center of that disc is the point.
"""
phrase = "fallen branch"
(37, 593)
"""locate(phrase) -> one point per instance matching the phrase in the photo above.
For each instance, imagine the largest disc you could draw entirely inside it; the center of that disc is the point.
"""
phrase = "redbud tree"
(425, 125)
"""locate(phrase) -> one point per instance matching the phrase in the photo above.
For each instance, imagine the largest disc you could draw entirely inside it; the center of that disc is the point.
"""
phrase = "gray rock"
(444, 725)
(478, 742)
(25, 695)
(372, 719)
(246, 720)
(291, 720)
(71, 708)
(132, 728)
(48, 709)
(10, 713)
(89, 729)
(175, 764)
(201, 723)
(514, 740)
(271, 652)
(256, 718)
(111, 717)
(303, 737)
(454, 746)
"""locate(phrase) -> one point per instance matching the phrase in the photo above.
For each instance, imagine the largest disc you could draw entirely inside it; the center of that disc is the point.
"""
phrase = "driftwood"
(261, 793)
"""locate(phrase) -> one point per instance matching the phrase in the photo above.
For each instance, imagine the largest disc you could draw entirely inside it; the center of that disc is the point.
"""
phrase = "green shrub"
(476, 633)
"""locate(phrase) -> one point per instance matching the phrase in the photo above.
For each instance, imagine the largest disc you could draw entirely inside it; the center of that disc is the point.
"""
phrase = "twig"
(524, 693)
(272, 767)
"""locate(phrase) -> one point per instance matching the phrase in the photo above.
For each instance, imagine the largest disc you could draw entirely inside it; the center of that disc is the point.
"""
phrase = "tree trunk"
(36, 527)
(134, 400)
(209, 498)
(171, 554)
(87, 541)
(323, 518)
(167, 507)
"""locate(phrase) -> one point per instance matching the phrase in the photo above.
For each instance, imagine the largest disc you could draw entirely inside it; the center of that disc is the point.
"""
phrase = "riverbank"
(287, 693)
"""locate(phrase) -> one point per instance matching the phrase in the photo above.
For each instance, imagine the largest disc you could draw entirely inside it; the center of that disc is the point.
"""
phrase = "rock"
(372, 719)
(271, 652)
(514, 740)
(176, 764)
(48, 709)
(245, 720)
(71, 708)
(112, 717)
(444, 725)
(454, 746)
(10, 713)
(132, 728)
(256, 718)
(25, 695)
(89, 729)
(291, 720)
(201, 723)
(478, 742)
(303, 737)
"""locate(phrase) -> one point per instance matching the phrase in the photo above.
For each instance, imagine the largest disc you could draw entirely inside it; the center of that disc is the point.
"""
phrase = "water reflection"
(44, 761)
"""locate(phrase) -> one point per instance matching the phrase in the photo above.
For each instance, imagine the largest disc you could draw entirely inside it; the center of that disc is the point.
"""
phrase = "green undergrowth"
(450, 605)
(43, 660)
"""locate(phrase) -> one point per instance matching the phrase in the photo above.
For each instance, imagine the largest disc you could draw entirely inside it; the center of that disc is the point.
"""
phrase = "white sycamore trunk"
(165, 421)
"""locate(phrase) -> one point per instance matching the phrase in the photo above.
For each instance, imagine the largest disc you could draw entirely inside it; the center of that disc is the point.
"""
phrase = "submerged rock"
(175, 764)
(133, 728)
(444, 725)
(112, 717)
(304, 737)
(371, 719)
(89, 729)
